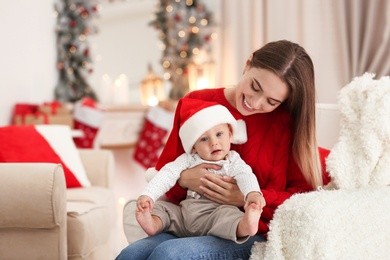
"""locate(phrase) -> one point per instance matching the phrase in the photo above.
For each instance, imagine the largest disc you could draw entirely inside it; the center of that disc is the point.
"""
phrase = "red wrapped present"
(28, 114)
(54, 108)
(33, 114)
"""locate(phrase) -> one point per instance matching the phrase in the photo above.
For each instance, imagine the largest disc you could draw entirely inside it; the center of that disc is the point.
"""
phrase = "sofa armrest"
(32, 195)
(131, 228)
(99, 166)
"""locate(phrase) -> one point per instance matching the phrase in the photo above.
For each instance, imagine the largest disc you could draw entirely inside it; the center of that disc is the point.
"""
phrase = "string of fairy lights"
(185, 34)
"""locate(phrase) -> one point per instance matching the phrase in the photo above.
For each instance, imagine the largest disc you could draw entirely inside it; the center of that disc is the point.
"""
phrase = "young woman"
(276, 98)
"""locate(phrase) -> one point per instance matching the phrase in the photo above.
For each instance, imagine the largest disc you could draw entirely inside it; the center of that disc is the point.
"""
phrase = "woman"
(276, 98)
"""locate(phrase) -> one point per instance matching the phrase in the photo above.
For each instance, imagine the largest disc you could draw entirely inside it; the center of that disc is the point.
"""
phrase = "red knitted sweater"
(267, 151)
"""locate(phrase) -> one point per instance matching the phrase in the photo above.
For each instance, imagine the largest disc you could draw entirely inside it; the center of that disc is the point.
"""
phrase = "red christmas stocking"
(87, 118)
(157, 124)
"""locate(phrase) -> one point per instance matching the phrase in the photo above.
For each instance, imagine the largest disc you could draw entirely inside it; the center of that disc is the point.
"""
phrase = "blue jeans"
(167, 246)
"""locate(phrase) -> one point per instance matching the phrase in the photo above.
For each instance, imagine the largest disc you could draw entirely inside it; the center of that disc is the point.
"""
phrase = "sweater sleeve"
(283, 181)
(242, 173)
(295, 183)
(166, 177)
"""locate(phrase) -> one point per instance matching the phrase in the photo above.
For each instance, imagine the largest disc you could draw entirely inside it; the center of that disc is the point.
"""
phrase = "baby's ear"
(230, 132)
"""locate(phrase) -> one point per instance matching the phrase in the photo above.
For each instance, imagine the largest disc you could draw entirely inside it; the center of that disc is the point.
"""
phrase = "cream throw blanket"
(349, 218)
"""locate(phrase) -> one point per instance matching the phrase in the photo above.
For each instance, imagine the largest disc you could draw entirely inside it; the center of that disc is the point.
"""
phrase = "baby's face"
(214, 144)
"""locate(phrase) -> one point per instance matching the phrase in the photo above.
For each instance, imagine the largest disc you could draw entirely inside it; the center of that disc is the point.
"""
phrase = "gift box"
(32, 114)
(54, 108)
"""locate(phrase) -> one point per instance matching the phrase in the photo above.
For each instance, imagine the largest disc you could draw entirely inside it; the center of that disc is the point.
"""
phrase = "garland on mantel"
(74, 24)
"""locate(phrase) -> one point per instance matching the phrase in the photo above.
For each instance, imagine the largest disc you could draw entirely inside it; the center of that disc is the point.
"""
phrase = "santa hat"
(198, 116)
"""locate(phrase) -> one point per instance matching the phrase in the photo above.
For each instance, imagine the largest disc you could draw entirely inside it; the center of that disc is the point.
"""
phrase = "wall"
(125, 44)
(28, 54)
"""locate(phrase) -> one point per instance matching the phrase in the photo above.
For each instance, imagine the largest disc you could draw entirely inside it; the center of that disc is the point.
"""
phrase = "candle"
(121, 90)
(106, 91)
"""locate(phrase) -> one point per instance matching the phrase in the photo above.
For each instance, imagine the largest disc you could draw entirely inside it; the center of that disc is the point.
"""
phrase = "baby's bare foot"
(249, 223)
(150, 224)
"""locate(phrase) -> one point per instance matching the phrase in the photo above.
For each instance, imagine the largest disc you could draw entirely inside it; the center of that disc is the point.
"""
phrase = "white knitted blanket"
(361, 157)
(351, 219)
(335, 224)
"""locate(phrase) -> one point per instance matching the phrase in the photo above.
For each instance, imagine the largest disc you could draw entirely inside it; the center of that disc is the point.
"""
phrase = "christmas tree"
(74, 24)
(185, 33)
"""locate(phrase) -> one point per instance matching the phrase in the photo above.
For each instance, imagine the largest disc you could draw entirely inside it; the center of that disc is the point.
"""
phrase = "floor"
(128, 183)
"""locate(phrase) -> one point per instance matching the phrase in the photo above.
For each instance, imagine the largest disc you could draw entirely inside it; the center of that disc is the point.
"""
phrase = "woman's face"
(259, 91)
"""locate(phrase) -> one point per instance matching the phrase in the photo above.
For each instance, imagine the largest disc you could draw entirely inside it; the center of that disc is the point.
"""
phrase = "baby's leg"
(248, 226)
(149, 223)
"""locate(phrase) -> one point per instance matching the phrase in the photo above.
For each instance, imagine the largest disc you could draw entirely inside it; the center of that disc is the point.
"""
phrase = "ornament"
(72, 49)
(84, 14)
(73, 23)
(177, 18)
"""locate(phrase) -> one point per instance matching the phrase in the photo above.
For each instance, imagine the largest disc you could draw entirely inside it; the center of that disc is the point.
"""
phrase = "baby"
(206, 133)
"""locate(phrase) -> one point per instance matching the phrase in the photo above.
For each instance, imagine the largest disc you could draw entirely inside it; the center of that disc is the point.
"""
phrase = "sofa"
(40, 218)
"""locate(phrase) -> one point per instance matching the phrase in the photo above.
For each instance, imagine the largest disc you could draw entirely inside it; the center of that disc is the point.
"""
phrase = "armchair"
(42, 219)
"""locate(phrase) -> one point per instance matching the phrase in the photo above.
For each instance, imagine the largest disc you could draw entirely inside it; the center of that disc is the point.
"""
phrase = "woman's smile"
(247, 105)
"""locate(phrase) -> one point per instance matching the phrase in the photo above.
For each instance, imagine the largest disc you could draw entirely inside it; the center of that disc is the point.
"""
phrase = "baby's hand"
(256, 198)
(144, 203)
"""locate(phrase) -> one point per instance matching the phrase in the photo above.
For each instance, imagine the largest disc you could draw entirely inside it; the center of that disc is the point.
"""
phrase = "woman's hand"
(190, 178)
(221, 189)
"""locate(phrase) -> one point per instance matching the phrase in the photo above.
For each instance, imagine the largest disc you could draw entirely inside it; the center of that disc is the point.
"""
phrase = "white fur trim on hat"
(240, 136)
(205, 119)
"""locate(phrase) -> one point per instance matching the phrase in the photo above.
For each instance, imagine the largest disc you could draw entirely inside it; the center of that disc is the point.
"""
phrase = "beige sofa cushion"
(88, 210)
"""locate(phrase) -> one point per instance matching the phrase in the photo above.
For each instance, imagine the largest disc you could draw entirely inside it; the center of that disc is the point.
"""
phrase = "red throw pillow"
(44, 143)
(324, 153)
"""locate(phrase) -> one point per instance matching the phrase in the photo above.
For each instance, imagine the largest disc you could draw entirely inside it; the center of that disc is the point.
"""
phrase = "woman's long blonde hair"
(291, 63)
